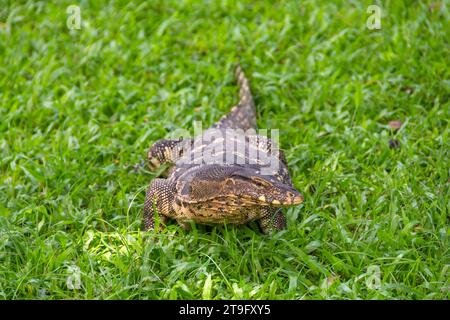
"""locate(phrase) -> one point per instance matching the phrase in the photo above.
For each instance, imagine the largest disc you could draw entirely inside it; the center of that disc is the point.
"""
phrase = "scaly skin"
(215, 193)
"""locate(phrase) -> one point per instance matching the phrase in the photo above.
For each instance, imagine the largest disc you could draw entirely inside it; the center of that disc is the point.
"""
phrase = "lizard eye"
(260, 182)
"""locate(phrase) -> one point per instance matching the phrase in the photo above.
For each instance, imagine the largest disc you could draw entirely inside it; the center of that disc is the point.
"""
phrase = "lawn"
(79, 108)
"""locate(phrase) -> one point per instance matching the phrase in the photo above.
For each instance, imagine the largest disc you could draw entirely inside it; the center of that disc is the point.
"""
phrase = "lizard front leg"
(159, 198)
(272, 219)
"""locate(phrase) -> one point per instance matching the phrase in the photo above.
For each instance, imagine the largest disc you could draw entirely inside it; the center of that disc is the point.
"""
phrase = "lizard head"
(237, 186)
(255, 189)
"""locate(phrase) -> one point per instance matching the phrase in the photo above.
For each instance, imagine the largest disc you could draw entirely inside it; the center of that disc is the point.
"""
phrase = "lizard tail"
(245, 95)
(242, 116)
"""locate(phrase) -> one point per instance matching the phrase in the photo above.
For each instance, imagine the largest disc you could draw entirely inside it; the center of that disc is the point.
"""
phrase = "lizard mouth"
(290, 200)
(153, 163)
(297, 200)
(281, 197)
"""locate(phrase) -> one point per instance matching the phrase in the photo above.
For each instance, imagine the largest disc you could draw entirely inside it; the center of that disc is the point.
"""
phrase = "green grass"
(79, 109)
